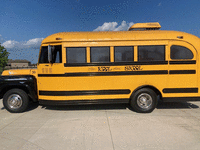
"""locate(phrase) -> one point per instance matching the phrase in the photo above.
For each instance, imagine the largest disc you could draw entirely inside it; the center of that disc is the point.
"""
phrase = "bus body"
(133, 67)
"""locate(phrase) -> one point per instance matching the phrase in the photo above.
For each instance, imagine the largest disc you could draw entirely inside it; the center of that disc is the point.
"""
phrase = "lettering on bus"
(116, 69)
(133, 68)
(46, 70)
(104, 69)
(91, 69)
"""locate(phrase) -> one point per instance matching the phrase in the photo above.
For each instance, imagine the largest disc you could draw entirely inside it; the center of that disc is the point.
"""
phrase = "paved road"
(172, 126)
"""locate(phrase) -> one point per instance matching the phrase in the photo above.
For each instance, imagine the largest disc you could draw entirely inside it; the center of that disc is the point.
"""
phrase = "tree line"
(3, 58)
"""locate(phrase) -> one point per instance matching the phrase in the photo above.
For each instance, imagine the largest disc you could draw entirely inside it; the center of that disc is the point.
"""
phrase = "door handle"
(46, 65)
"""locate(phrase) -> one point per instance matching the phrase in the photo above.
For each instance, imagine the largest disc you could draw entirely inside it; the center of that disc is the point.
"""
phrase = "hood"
(20, 72)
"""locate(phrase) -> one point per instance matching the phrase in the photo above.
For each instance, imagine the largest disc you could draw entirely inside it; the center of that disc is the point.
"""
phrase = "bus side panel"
(77, 84)
(183, 74)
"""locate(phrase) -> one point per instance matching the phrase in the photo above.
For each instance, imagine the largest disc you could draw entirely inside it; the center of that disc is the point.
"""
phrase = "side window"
(151, 53)
(180, 52)
(44, 55)
(100, 54)
(124, 53)
(57, 54)
(76, 54)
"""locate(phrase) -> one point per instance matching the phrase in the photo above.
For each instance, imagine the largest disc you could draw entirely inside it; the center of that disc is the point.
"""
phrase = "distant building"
(18, 63)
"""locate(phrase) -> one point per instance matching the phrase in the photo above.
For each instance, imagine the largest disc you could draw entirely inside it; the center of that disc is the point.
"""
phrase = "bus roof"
(96, 36)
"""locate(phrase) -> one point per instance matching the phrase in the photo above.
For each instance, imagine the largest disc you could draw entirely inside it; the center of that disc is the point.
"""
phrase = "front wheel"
(15, 100)
(144, 100)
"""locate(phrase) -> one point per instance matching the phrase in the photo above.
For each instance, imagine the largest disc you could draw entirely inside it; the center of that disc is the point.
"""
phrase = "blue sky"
(24, 23)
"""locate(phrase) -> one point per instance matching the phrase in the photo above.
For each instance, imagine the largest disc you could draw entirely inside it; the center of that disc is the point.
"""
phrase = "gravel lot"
(101, 127)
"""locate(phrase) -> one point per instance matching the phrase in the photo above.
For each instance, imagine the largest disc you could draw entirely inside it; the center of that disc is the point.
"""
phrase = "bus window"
(180, 52)
(76, 54)
(57, 54)
(124, 53)
(151, 53)
(44, 55)
(100, 54)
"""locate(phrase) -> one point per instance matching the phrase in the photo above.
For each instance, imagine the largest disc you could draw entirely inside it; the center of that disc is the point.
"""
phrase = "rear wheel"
(144, 100)
(15, 100)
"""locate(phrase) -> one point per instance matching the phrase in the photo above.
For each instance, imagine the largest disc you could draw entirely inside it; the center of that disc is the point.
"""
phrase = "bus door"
(50, 73)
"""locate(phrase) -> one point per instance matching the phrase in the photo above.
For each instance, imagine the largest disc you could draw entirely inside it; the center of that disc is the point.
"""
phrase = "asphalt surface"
(173, 126)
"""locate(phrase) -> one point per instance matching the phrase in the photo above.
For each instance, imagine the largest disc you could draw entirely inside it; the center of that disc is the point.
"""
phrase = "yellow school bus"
(138, 67)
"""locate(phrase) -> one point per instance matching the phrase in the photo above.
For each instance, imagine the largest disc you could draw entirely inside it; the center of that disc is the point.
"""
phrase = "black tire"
(15, 100)
(144, 100)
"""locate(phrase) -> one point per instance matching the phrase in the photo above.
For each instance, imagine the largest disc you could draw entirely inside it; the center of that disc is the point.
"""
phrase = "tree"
(3, 57)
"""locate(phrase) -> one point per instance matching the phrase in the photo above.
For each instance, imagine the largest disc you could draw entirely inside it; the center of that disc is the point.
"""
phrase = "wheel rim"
(14, 101)
(144, 100)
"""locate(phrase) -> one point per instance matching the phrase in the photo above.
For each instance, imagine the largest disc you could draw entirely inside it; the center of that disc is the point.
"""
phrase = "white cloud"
(113, 26)
(124, 26)
(28, 50)
(32, 43)
(159, 4)
(10, 44)
(107, 26)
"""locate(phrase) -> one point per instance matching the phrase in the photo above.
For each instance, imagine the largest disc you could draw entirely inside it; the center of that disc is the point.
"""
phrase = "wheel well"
(150, 87)
(3, 91)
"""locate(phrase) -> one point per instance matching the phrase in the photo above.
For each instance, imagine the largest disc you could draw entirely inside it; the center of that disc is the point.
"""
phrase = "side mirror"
(50, 53)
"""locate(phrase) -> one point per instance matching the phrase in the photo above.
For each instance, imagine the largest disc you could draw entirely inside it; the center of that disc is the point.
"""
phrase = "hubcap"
(144, 101)
(14, 101)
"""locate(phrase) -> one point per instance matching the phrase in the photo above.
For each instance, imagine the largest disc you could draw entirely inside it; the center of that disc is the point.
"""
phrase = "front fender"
(25, 82)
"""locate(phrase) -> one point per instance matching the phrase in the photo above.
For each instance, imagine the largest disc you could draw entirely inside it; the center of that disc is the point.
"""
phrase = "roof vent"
(145, 26)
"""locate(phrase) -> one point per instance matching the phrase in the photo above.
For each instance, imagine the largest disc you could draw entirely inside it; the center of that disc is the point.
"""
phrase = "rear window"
(180, 52)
